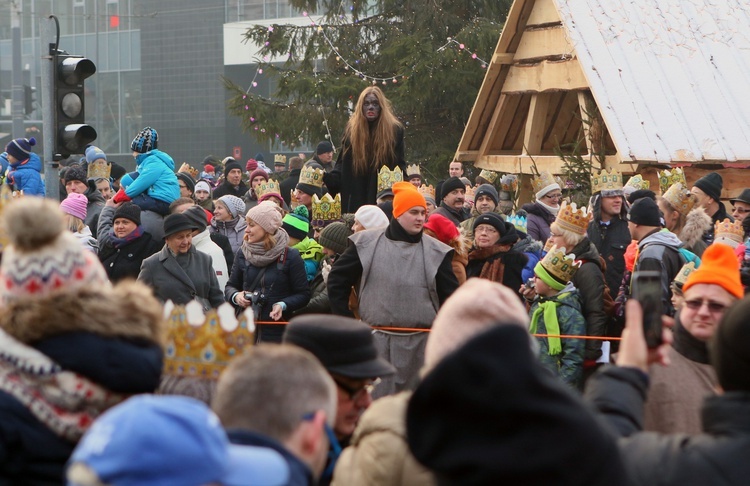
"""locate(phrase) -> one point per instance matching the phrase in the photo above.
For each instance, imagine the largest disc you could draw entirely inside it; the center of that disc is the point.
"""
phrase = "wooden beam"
(466, 155)
(544, 43)
(503, 58)
(521, 164)
(545, 76)
(514, 25)
(543, 13)
(735, 179)
(489, 135)
(535, 123)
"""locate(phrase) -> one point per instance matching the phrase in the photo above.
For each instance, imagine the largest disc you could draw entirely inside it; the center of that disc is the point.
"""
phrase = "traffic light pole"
(48, 33)
(17, 110)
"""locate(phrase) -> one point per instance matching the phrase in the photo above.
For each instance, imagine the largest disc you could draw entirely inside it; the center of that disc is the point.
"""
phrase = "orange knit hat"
(719, 267)
(405, 197)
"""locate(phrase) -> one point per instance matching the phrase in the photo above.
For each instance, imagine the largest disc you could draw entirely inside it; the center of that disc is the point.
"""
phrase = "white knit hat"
(267, 215)
(371, 217)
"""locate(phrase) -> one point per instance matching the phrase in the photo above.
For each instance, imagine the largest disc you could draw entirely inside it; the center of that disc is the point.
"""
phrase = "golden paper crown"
(574, 219)
(311, 176)
(99, 169)
(488, 175)
(669, 178)
(188, 169)
(427, 191)
(637, 182)
(548, 245)
(561, 266)
(680, 198)
(293, 201)
(6, 196)
(684, 273)
(270, 187)
(509, 183)
(470, 192)
(543, 180)
(279, 159)
(413, 170)
(386, 177)
(325, 209)
(201, 345)
(606, 180)
(728, 231)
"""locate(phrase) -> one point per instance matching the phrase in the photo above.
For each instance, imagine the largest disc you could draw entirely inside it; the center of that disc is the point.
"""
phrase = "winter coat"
(156, 177)
(456, 217)
(358, 190)
(379, 454)
(250, 200)
(86, 240)
(234, 230)
(697, 222)
(203, 243)
(720, 215)
(124, 262)
(716, 457)
(164, 274)
(611, 244)
(659, 252)
(513, 262)
(568, 364)
(223, 243)
(289, 184)
(27, 177)
(533, 251)
(299, 473)
(467, 225)
(106, 336)
(311, 253)
(282, 282)
(93, 207)
(226, 188)
(589, 280)
(319, 303)
(538, 221)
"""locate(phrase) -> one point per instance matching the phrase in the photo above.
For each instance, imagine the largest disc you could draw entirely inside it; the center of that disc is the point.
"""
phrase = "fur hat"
(75, 205)
(146, 141)
(297, 223)
(235, 205)
(20, 148)
(266, 215)
(130, 211)
(76, 173)
(711, 184)
(335, 236)
(43, 258)
(405, 197)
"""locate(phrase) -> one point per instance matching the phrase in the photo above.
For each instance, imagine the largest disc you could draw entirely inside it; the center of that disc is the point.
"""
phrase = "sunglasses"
(356, 393)
(713, 307)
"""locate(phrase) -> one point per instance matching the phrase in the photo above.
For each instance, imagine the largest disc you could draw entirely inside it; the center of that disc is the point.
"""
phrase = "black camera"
(257, 298)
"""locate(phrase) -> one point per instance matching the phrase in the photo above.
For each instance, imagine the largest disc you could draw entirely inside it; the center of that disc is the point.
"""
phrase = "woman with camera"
(267, 274)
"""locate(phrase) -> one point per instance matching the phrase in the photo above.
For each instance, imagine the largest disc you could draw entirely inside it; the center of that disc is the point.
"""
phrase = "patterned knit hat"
(43, 258)
(20, 148)
(75, 205)
(267, 215)
(297, 223)
(235, 205)
(128, 210)
(335, 236)
(145, 141)
(251, 165)
(76, 173)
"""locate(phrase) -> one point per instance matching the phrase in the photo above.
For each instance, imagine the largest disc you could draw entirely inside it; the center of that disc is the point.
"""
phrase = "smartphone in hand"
(647, 291)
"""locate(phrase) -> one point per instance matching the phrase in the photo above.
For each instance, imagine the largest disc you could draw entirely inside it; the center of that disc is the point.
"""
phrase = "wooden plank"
(566, 110)
(534, 131)
(516, 122)
(735, 179)
(543, 43)
(503, 58)
(545, 76)
(517, 164)
(466, 155)
(514, 25)
(500, 108)
(544, 12)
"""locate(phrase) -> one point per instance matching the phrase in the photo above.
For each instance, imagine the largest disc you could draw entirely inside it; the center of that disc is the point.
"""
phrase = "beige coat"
(378, 454)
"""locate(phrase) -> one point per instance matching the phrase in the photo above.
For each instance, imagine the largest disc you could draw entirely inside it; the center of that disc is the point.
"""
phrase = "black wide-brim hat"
(343, 345)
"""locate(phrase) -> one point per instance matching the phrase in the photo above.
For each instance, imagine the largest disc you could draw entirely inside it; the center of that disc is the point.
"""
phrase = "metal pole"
(48, 37)
(17, 110)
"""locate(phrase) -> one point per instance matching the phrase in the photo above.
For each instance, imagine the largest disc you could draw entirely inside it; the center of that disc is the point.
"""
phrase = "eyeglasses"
(182, 186)
(553, 196)
(740, 210)
(553, 235)
(356, 393)
(713, 307)
(486, 229)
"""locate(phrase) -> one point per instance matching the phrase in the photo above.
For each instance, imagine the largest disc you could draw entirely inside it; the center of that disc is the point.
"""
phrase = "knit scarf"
(548, 309)
(225, 225)
(65, 402)
(552, 210)
(257, 255)
(120, 242)
(495, 269)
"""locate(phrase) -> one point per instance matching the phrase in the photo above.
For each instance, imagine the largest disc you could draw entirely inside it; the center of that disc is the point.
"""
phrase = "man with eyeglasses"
(741, 205)
(678, 390)
(346, 349)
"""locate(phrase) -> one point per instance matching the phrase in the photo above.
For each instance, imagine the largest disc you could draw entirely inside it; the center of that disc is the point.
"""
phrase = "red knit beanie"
(443, 228)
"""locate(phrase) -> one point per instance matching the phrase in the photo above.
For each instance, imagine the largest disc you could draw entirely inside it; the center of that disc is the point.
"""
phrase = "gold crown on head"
(509, 183)
(728, 232)
(279, 159)
(470, 192)
(427, 190)
(638, 182)
(559, 265)
(386, 177)
(544, 179)
(684, 273)
(548, 245)
(413, 170)
(201, 344)
(270, 187)
(669, 178)
(488, 175)
(680, 198)
(293, 201)
(188, 169)
(572, 218)
(606, 180)
(99, 169)
(325, 209)
(311, 176)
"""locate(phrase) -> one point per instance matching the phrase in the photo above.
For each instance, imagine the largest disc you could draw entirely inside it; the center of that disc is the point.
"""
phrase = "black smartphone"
(647, 290)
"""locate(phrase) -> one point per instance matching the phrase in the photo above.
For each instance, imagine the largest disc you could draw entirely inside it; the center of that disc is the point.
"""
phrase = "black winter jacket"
(289, 184)
(513, 261)
(123, 262)
(612, 248)
(589, 280)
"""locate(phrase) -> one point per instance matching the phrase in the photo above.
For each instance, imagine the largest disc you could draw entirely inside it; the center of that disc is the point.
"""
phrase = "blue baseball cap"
(153, 440)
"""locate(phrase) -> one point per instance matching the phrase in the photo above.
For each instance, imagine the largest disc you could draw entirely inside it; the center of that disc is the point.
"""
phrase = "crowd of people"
(384, 332)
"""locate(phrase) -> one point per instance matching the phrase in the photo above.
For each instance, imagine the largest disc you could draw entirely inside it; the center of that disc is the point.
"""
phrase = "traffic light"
(72, 134)
(29, 98)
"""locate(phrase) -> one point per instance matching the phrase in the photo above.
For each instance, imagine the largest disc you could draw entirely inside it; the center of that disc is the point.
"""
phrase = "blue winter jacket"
(156, 177)
(27, 177)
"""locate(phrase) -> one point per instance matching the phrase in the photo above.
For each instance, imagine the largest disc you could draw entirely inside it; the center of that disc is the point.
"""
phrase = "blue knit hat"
(145, 141)
(20, 148)
(94, 153)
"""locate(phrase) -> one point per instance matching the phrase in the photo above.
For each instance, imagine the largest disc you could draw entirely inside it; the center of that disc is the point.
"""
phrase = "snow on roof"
(671, 77)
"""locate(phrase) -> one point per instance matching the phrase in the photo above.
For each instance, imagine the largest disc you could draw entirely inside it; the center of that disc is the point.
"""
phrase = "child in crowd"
(24, 167)
(203, 196)
(297, 225)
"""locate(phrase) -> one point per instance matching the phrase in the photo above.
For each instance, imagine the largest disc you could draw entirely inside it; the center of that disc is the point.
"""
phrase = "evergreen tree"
(428, 57)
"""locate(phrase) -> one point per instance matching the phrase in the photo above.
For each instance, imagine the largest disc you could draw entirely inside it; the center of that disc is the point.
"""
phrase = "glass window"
(108, 111)
(131, 107)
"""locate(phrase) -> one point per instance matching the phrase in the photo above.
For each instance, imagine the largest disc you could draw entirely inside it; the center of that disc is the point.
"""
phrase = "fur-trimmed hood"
(697, 222)
(127, 310)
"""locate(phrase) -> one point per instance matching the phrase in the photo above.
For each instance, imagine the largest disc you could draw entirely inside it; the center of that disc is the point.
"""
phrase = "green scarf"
(549, 309)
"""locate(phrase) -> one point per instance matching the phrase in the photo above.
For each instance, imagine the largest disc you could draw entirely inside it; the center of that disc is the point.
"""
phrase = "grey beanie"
(486, 190)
